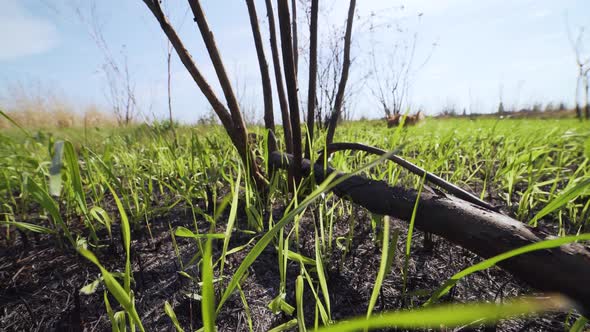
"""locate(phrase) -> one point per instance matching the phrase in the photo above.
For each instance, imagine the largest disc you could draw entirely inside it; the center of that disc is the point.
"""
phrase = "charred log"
(485, 232)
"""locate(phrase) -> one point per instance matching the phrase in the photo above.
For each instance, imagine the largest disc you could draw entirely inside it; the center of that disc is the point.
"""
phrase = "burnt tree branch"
(337, 108)
(231, 119)
(188, 62)
(215, 57)
(269, 122)
(279, 77)
(291, 80)
(484, 232)
(313, 73)
(294, 35)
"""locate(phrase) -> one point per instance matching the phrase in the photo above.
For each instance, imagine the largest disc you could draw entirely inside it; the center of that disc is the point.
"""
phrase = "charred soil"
(40, 283)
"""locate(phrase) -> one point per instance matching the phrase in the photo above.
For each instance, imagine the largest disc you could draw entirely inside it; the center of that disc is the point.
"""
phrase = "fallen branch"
(485, 232)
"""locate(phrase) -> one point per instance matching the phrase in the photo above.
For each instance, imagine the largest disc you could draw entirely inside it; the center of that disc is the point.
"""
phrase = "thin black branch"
(451, 188)
(269, 122)
(313, 73)
(291, 81)
(338, 103)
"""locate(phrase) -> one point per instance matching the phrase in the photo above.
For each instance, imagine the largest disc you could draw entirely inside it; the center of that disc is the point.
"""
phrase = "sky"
(469, 54)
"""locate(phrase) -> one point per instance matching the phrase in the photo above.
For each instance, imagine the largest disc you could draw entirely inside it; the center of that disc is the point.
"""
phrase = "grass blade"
(100, 215)
(321, 275)
(4, 115)
(114, 288)
(28, 227)
(454, 315)
(288, 326)
(110, 313)
(126, 237)
(208, 293)
(170, 312)
(579, 324)
(48, 204)
(185, 232)
(74, 172)
(382, 267)
(410, 232)
(246, 309)
(233, 212)
(299, 286)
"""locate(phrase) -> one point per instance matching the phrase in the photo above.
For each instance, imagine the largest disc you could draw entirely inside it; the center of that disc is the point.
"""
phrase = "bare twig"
(582, 67)
(121, 90)
(169, 62)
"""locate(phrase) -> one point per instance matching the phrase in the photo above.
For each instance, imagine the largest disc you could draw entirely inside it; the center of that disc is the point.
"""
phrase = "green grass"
(123, 179)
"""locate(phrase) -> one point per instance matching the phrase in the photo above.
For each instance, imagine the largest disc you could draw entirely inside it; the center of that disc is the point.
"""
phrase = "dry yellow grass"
(58, 118)
(33, 105)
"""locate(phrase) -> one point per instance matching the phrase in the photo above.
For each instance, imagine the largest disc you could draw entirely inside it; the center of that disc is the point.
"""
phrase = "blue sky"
(485, 49)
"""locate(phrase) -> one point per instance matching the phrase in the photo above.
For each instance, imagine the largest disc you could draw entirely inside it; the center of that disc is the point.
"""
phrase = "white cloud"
(22, 34)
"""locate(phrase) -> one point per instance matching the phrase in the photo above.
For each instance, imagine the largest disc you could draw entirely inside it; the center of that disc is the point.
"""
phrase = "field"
(103, 226)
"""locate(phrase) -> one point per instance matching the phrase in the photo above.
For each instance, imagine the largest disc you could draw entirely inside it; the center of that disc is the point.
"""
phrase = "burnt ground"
(40, 283)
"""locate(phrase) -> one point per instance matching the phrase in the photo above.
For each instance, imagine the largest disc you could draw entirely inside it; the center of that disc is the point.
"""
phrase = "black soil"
(40, 283)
